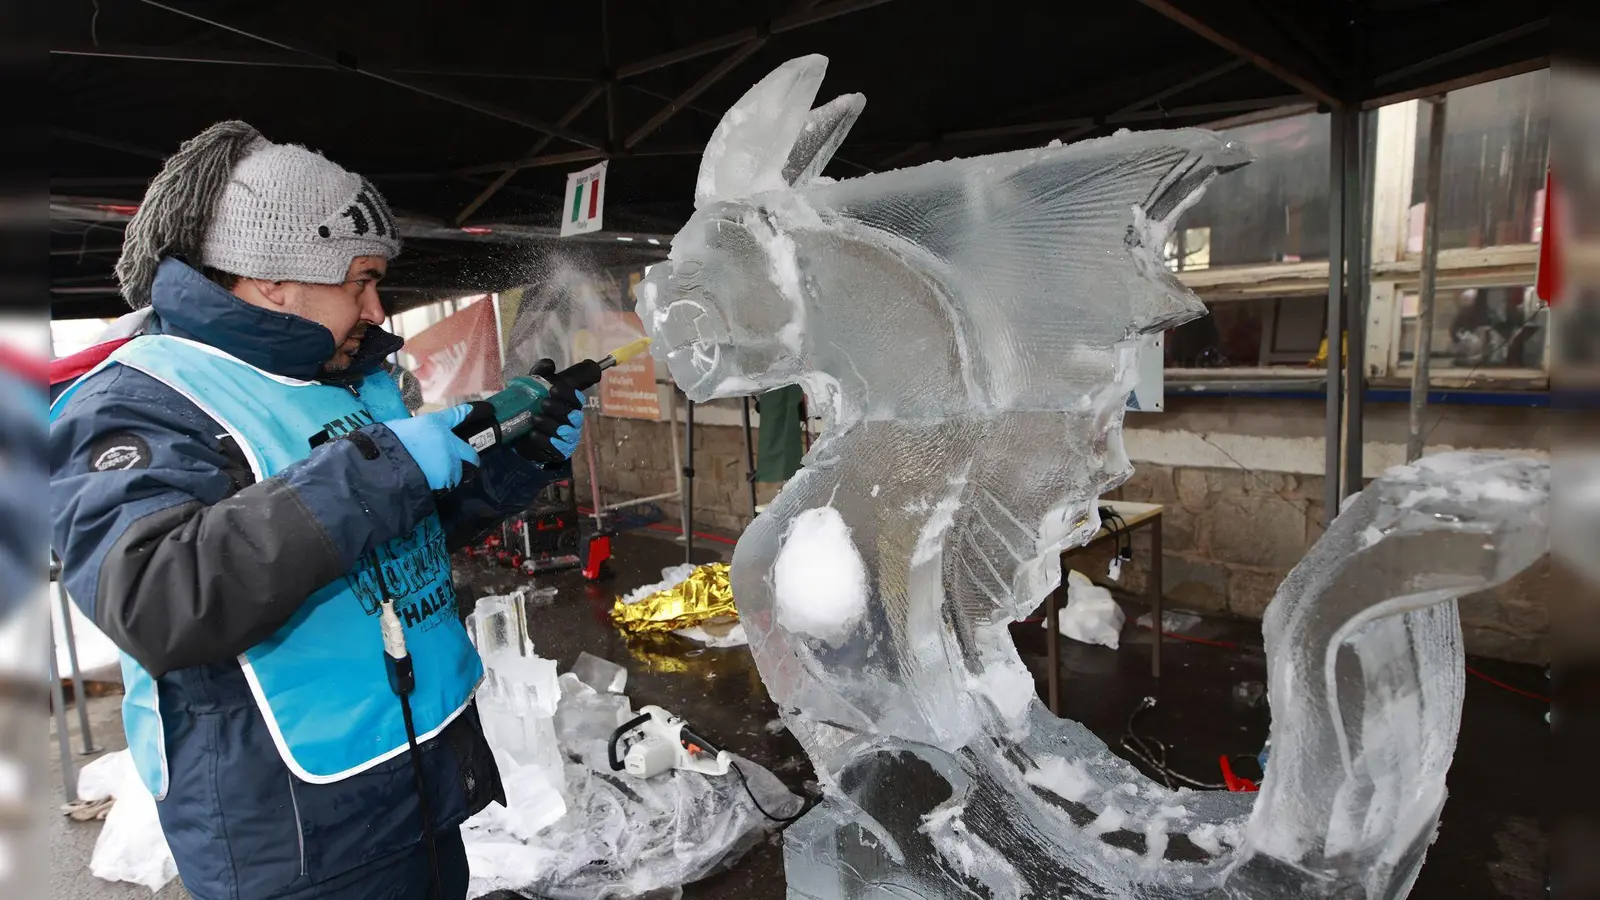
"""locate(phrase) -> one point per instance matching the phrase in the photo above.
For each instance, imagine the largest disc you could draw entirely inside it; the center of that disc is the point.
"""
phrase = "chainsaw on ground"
(657, 741)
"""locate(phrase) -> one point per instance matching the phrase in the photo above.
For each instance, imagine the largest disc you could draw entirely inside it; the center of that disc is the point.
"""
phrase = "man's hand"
(558, 425)
(437, 451)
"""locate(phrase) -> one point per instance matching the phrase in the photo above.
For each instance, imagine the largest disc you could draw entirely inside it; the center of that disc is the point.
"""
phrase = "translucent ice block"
(603, 675)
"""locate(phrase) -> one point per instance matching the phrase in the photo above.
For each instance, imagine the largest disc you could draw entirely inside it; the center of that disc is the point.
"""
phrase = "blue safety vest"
(321, 680)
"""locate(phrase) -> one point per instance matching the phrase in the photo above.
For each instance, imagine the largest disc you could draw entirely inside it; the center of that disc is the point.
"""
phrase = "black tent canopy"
(469, 115)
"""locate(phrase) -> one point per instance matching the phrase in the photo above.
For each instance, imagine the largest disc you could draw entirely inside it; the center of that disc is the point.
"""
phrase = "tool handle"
(481, 427)
(580, 376)
(617, 763)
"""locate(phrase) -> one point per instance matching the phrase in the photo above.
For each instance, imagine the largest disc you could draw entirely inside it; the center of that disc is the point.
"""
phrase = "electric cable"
(403, 680)
(805, 807)
(1153, 753)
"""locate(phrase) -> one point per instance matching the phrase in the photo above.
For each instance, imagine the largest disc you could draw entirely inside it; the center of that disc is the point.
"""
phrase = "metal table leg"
(58, 700)
(80, 699)
(1052, 619)
(1153, 592)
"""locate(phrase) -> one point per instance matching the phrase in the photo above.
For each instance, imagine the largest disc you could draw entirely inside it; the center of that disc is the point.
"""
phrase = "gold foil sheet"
(706, 594)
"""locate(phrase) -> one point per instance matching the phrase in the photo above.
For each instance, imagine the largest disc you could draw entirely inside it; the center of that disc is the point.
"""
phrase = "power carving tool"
(657, 741)
(508, 414)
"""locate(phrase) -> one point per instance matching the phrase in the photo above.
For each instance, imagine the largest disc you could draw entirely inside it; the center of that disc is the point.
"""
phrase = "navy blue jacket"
(185, 561)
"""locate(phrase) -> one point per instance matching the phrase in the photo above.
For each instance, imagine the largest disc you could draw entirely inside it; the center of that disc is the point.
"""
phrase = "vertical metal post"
(1415, 437)
(749, 455)
(1153, 591)
(1337, 124)
(1052, 643)
(688, 481)
(593, 459)
(1357, 251)
(85, 735)
(672, 429)
(58, 700)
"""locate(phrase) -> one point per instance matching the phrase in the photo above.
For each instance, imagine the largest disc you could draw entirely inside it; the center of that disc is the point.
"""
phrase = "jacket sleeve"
(504, 485)
(170, 545)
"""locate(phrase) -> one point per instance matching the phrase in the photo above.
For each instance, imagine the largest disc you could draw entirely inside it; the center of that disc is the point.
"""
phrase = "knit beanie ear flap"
(179, 205)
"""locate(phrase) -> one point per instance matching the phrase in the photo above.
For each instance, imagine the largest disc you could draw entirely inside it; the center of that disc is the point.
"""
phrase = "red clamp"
(1234, 782)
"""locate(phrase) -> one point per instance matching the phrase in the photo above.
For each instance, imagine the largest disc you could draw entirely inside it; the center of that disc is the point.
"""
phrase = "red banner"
(458, 357)
(1548, 284)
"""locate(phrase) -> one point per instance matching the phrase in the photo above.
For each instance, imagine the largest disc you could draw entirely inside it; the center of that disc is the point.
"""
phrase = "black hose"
(422, 794)
(403, 680)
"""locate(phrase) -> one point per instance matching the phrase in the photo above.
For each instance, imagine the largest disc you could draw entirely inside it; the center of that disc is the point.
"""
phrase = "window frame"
(1394, 270)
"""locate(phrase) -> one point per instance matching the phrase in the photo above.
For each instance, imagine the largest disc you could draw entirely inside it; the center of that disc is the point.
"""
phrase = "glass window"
(1273, 210)
(1497, 141)
(1473, 328)
(1267, 331)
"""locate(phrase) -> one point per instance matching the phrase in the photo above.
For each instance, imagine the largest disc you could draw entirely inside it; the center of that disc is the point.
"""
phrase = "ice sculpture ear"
(748, 151)
(824, 131)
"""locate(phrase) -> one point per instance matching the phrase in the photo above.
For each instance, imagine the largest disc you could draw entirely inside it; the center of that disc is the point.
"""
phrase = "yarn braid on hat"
(231, 200)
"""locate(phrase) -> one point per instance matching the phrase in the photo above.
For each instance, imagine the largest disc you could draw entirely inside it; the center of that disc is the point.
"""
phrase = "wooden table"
(1136, 515)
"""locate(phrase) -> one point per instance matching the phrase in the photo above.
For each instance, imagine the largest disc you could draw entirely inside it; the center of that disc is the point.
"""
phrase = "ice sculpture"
(968, 329)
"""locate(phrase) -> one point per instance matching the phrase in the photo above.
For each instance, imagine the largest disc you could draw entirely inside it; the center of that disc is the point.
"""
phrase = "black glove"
(558, 425)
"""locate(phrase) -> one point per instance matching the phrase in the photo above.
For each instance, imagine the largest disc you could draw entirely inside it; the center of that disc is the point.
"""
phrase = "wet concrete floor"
(1490, 842)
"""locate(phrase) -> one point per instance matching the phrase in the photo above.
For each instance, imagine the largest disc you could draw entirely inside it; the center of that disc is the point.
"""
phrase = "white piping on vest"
(250, 677)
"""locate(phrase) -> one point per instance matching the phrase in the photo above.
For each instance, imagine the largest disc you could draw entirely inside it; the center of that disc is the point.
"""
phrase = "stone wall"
(636, 459)
(1230, 531)
(1230, 536)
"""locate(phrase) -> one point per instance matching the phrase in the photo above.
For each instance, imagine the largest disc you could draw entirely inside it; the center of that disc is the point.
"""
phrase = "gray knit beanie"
(232, 200)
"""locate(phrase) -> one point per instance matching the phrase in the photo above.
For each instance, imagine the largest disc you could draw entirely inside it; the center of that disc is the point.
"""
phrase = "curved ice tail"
(1367, 674)
(771, 138)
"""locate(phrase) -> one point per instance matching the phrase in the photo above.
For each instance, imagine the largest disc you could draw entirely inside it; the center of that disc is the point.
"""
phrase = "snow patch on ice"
(1110, 819)
(1215, 839)
(1064, 778)
(819, 578)
(970, 855)
(931, 540)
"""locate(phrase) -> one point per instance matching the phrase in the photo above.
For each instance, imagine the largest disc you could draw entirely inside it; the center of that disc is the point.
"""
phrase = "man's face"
(345, 309)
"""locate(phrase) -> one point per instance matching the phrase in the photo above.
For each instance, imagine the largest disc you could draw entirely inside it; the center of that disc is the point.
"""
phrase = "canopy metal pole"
(677, 453)
(1420, 358)
(688, 482)
(749, 455)
(1357, 215)
(593, 459)
(1338, 122)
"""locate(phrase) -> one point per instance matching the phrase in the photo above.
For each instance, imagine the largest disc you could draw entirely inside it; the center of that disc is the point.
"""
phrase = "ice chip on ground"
(716, 637)
(1172, 622)
(601, 674)
(670, 578)
(967, 329)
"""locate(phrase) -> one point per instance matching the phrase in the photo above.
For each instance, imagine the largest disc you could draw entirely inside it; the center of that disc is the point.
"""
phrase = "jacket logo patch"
(119, 452)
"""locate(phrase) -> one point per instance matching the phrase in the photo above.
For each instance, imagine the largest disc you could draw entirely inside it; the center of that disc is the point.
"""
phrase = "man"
(240, 496)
